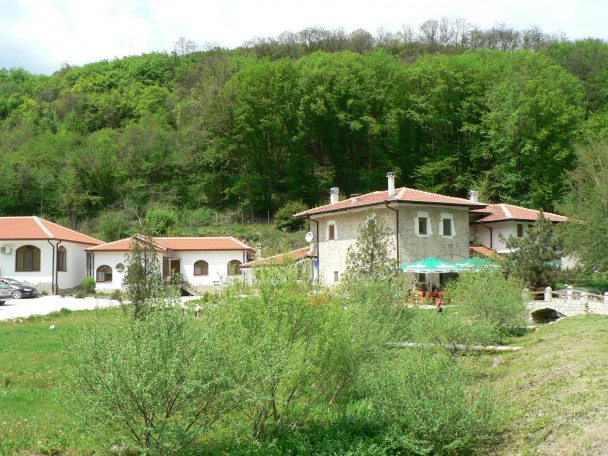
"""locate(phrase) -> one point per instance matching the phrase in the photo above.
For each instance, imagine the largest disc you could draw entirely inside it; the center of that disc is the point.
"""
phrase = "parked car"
(6, 292)
(19, 290)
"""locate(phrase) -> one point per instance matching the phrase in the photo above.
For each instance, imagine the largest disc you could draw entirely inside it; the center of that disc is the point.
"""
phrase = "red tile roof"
(36, 228)
(402, 195)
(294, 255)
(163, 244)
(502, 212)
(481, 251)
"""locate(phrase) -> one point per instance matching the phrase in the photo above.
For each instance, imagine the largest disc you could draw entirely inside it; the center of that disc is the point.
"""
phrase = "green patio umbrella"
(475, 264)
(431, 265)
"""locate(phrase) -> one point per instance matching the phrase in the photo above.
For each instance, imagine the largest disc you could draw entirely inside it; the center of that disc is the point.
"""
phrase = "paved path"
(22, 308)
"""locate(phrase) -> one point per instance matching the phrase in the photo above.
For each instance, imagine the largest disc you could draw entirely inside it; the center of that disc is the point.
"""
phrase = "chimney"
(391, 184)
(474, 196)
(259, 251)
(334, 195)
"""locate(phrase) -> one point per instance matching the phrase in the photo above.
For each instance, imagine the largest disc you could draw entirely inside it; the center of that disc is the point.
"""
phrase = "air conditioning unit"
(6, 249)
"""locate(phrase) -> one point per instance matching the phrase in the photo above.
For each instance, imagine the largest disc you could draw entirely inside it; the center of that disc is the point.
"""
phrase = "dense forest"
(202, 134)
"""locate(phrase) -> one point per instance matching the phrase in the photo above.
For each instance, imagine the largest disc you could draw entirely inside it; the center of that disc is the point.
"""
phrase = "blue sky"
(42, 35)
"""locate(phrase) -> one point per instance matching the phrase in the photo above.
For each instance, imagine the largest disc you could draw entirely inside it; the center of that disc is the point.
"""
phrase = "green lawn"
(556, 388)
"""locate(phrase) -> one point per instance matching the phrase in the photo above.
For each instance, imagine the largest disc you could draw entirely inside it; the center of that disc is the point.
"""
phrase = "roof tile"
(402, 195)
(502, 212)
(36, 228)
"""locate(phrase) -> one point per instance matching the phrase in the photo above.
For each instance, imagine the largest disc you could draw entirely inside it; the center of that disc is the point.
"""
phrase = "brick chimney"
(334, 195)
(391, 184)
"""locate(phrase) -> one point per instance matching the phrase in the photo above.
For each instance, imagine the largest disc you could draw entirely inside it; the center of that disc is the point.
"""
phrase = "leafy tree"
(586, 205)
(284, 219)
(153, 385)
(371, 256)
(162, 222)
(142, 281)
(534, 255)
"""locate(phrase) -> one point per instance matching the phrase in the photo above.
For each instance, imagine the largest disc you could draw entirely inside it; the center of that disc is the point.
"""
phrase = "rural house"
(422, 225)
(42, 253)
(200, 262)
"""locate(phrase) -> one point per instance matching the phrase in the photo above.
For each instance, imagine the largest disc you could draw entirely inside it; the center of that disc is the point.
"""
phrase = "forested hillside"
(244, 131)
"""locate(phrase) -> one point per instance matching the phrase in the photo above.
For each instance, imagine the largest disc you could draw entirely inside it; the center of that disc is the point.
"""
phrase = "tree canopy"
(250, 129)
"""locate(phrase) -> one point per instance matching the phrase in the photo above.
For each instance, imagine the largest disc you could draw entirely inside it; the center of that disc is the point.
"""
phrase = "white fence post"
(548, 294)
(606, 298)
(585, 301)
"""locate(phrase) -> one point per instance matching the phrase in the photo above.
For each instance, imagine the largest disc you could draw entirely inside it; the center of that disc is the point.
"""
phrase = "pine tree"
(371, 255)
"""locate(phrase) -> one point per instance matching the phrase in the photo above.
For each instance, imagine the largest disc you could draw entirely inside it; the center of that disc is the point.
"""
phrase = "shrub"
(88, 285)
(154, 383)
(423, 399)
(488, 299)
(284, 219)
(291, 356)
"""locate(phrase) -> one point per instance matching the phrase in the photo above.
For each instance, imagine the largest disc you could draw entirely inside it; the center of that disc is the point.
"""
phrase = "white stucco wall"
(76, 264)
(217, 260)
(412, 247)
(492, 238)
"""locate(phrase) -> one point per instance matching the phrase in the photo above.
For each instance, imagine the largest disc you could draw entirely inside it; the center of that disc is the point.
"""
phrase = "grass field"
(556, 388)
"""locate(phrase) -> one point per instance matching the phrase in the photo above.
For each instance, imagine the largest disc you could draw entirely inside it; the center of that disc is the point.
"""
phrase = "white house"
(422, 225)
(200, 261)
(42, 253)
(492, 225)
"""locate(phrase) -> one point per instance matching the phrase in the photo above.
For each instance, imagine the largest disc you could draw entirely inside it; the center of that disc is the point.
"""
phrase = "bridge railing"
(570, 294)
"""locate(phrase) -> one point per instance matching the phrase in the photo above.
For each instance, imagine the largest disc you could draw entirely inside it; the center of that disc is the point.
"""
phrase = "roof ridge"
(40, 223)
(507, 212)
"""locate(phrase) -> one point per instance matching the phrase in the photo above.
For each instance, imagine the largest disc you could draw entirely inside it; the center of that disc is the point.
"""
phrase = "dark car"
(19, 290)
(6, 292)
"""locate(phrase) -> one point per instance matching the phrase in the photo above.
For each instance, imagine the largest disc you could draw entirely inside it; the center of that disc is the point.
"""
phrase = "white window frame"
(450, 217)
(429, 225)
(331, 222)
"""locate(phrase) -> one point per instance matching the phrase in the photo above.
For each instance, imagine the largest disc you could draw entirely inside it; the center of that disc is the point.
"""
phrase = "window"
(104, 273)
(336, 276)
(520, 230)
(201, 268)
(234, 267)
(62, 264)
(422, 225)
(332, 232)
(28, 258)
(446, 226)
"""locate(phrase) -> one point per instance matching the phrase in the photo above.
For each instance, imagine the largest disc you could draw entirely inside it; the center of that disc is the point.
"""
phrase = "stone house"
(422, 224)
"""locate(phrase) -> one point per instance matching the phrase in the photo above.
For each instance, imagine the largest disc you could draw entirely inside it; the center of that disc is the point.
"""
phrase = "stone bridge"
(550, 305)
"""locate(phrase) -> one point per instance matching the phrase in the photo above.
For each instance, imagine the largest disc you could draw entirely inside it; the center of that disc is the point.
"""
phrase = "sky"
(42, 35)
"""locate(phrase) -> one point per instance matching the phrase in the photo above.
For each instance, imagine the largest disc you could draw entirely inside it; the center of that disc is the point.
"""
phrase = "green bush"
(290, 354)
(88, 285)
(426, 406)
(284, 220)
(488, 301)
(153, 384)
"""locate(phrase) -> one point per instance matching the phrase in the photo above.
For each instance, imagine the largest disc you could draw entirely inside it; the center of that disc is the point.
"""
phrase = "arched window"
(28, 258)
(104, 273)
(234, 267)
(62, 259)
(201, 268)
